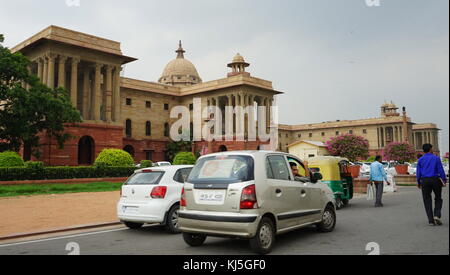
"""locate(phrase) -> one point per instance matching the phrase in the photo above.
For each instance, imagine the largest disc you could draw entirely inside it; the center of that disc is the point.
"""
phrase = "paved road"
(399, 228)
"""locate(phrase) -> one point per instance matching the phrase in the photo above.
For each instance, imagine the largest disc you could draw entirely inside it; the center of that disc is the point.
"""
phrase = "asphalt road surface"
(399, 228)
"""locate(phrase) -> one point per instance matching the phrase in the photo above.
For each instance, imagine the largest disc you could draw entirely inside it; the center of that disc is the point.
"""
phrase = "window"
(300, 165)
(365, 131)
(149, 155)
(182, 175)
(191, 107)
(129, 102)
(222, 170)
(310, 135)
(148, 104)
(323, 134)
(337, 133)
(287, 135)
(299, 135)
(128, 128)
(148, 128)
(151, 178)
(166, 130)
(166, 107)
(350, 132)
(277, 168)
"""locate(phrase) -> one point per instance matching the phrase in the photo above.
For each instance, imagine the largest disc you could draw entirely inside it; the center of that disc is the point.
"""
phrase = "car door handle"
(303, 193)
(278, 191)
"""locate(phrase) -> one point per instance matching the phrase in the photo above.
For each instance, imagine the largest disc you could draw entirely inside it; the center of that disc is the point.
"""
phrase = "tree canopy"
(28, 107)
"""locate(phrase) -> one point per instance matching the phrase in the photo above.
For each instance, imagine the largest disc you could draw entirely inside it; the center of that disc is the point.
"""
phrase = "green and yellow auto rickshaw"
(336, 174)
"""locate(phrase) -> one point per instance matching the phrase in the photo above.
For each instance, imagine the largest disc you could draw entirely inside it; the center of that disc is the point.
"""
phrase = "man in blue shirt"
(431, 178)
(378, 177)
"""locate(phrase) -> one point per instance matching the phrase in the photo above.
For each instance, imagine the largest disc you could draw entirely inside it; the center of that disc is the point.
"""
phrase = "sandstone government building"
(134, 115)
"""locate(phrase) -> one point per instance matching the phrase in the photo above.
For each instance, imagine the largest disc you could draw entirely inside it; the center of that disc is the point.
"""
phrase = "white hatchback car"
(253, 195)
(152, 195)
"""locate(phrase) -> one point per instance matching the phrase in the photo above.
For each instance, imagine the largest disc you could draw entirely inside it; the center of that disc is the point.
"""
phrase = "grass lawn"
(47, 189)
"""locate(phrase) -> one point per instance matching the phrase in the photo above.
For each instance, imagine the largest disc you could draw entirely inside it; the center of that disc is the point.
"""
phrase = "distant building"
(308, 149)
(391, 126)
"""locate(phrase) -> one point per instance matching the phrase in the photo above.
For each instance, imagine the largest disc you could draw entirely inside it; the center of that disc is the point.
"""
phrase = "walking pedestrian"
(378, 176)
(431, 178)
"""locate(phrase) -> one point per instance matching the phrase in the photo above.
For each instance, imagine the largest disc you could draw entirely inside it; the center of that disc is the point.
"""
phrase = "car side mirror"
(317, 177)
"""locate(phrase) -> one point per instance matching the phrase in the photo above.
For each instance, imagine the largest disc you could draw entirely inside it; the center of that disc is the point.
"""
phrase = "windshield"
(223, 170)
(147, 178)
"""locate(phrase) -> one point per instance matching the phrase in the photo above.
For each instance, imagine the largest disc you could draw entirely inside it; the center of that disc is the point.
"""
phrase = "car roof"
(165, 168)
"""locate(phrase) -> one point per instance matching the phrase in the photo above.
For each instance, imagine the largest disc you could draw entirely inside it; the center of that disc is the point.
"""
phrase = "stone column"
(51, 71)
(117, 98)
(74, 82)
(62, 71)
(45, 72)
(86, 92)
(108, 93)
(40, 72)
(97, 92)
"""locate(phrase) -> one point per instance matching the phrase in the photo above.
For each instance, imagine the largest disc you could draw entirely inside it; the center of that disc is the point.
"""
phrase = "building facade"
(134, 115)
(391, 126)
(126, 113)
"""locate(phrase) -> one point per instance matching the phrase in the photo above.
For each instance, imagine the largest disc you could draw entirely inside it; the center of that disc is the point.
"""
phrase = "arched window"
(128, 129)
(148, 128)
(166, 130)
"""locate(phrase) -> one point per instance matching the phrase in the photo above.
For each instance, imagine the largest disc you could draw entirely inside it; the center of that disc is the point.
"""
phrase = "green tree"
(173, 148)
(27, 112)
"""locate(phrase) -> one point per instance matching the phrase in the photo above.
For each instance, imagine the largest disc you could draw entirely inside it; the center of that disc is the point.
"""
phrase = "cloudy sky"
(334, 59)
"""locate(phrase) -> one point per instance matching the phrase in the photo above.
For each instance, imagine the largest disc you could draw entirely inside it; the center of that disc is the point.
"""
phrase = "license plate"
(130, 210)
(211, 197)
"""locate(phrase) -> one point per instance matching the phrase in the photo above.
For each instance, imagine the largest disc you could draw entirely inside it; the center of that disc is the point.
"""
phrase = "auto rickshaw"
(336, 174)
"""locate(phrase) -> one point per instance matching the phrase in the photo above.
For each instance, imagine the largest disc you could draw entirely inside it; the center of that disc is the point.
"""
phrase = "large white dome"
(180, 71)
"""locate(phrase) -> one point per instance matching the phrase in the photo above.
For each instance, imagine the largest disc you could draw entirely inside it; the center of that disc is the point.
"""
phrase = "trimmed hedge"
(59, 173)
(114, 158)
(146, 164)
(184, 158)
(11, 159)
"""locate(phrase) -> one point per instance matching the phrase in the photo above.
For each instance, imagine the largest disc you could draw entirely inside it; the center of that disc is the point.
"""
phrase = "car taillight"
(183, 199)
(159, 192)
(248, 198)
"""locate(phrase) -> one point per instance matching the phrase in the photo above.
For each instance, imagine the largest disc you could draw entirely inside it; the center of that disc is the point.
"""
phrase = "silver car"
(253, 195)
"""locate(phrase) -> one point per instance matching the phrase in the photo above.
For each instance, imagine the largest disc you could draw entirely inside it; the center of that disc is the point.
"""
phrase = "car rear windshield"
(145, 178)
(223, 170)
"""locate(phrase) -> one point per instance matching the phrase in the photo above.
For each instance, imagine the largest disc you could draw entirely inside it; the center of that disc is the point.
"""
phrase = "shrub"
(38, 165)
(146, 164)
(59, 173)
(371, 159)
(184, 158)
(114, 157)
(400, 151)
(349, 146)
(11, 159)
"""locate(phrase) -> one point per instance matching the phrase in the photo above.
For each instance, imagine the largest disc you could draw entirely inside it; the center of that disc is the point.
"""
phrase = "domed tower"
(389, 110)
(180, 71)
(238, 66)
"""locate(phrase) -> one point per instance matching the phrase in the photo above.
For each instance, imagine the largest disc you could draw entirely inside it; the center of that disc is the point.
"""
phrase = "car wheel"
(346, 202)
(328, 222)
(264, 240)
(133, 225)
(194, 240)
(171, 223)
